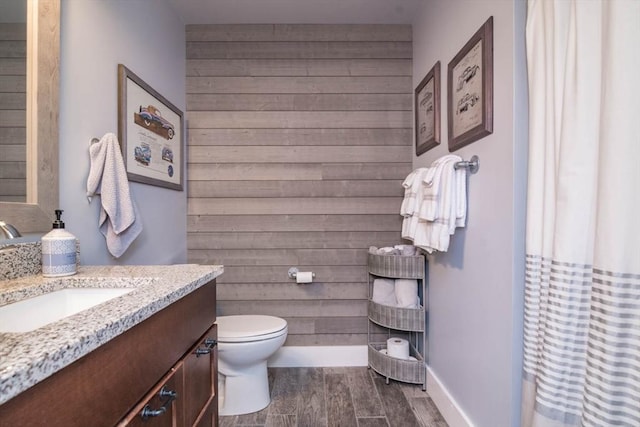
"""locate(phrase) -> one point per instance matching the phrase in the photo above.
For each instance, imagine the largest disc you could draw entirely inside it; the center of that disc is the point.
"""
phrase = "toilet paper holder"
(293, 273)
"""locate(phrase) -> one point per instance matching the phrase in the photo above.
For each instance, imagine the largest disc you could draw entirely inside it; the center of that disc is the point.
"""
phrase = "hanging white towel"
(435, 214)
(119, 219)
(408, 203)
(461, 197)
(443, 206)
(433, 186)
(413, 197)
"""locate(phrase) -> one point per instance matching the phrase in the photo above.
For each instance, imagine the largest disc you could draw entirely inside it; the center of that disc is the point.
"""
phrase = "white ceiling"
(296, 11)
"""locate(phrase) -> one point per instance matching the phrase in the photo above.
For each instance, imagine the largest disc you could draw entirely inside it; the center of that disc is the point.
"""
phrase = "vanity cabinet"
(186, 395)
(173, 350)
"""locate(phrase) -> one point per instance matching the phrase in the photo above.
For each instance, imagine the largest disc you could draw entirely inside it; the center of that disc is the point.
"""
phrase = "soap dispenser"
(58, 250)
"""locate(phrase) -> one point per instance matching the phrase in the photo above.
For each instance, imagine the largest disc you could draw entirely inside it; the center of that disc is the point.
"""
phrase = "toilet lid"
(249, 327)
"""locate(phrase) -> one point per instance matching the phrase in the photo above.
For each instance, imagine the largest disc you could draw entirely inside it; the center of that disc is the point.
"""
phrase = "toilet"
(245, 342)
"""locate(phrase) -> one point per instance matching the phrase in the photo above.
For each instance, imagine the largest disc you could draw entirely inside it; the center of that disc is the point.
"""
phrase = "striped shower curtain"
(582, 294)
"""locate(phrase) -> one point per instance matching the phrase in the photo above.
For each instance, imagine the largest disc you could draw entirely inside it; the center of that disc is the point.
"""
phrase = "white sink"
(33, 313)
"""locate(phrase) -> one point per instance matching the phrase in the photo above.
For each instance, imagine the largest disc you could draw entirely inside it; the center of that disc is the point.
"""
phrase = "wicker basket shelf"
(399, 319)
(396, 266)
(404, 319)
(409, 371)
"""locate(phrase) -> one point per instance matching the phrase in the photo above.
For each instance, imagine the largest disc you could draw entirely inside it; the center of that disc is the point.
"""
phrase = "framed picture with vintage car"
(151, 133)
(427, 111)
(470, 90)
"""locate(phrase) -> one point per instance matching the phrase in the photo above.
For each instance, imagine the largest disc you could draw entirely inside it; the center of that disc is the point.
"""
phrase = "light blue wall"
(476, 289)
(97, 35)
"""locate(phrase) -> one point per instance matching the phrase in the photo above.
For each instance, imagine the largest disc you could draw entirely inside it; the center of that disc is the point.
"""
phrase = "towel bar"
(471, 165)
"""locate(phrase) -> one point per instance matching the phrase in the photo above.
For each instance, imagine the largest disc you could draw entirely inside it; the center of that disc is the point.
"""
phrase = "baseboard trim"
(319, 356)
(446, 404)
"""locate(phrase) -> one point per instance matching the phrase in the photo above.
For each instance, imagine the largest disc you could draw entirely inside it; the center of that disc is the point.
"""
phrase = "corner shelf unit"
(408, 323)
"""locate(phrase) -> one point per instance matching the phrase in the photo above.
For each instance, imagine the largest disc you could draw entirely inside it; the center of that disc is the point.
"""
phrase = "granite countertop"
(28, 358)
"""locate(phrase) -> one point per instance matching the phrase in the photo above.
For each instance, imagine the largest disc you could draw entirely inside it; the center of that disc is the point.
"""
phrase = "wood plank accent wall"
(299, 139)
(13, 112)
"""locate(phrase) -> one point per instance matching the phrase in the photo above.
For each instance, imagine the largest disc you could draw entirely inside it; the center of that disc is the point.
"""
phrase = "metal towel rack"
(471, 165)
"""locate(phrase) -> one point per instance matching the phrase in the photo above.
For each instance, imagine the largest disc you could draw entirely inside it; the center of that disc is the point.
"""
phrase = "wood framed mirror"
(43, 59)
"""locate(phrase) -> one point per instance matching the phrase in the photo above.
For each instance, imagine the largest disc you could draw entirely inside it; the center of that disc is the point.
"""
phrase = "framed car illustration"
(151, 133)
(470, 90)
(427, 111)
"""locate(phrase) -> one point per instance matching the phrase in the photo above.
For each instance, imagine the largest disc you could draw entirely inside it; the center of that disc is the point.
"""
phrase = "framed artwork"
(151, 133)
(427, 110)
(470, 89)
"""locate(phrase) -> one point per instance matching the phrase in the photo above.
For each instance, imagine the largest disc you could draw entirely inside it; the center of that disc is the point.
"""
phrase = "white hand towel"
(433, 192)
(413, 190)
(406, 208)
(443, 208)
(461, 196)
(384, 292)
(407, 293)
(411, 209)
(119, 218)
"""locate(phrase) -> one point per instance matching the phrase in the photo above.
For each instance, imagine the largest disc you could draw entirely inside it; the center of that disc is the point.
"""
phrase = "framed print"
(151, 132)
(470, 90)
(427, 110)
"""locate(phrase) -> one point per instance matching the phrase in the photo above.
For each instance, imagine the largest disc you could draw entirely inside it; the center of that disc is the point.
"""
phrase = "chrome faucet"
(9, 231)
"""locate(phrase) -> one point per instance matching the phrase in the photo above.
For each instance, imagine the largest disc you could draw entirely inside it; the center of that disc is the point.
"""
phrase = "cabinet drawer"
(162, 406)
(200, 379)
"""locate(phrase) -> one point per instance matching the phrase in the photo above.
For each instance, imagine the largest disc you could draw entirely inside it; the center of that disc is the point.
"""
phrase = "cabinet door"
(201, 381)
(162, 407)
(209, 418)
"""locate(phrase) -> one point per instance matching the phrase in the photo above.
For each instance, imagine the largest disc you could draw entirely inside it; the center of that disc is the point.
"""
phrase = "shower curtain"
(582, 292)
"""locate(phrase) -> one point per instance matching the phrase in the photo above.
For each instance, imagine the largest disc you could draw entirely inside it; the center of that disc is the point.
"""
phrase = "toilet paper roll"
(304, 277)
(398, 348)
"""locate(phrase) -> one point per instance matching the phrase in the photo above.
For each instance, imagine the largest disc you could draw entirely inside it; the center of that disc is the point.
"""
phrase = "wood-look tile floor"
(340, 397)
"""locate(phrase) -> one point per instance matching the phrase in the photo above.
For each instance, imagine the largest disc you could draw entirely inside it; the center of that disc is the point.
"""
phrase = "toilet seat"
(248, 328)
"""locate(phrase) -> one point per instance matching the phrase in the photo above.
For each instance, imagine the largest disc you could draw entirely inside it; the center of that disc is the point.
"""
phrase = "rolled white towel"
(406, 293)
(388, 251)
(373, 250)
(384, 292)
(406, 250)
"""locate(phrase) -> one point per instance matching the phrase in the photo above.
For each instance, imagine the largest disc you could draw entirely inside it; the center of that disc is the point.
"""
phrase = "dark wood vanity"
(161, 372)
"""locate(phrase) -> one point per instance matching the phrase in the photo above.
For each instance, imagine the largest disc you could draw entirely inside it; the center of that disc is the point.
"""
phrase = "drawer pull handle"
(209, 343)
(169, 395)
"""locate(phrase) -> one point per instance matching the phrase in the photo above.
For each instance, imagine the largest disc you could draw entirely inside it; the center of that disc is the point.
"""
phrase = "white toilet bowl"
(244, 345)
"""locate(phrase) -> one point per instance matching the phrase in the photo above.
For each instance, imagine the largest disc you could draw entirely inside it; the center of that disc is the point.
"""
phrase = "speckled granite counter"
(27, 358)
